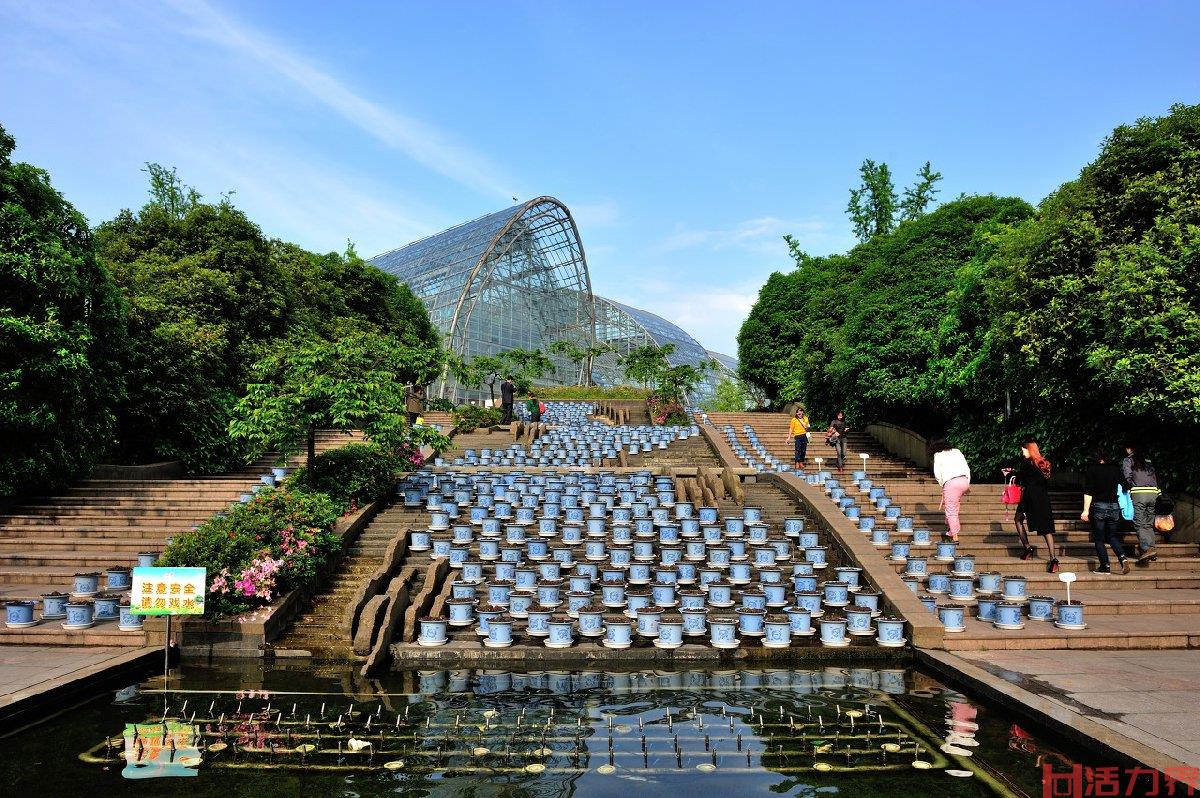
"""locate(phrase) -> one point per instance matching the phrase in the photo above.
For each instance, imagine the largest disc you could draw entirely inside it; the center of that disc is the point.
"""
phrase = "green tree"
(523, 365)
(354, 382)
(918, 196)
(729, 396)
(872, 205)
(582, 356)
(205, 299)
(61, 335)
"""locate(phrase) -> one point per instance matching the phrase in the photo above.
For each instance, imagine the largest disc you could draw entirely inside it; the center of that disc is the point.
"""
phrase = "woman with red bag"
(1033, 475)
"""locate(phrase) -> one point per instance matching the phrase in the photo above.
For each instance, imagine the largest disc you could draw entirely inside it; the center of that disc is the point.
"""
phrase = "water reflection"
(784, 731)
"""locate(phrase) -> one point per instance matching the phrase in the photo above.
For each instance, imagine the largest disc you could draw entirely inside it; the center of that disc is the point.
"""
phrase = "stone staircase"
(98, 523)
(320, 630)
(1155, 606)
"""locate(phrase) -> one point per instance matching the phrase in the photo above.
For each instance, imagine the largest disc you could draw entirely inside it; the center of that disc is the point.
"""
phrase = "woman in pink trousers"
(954, 475)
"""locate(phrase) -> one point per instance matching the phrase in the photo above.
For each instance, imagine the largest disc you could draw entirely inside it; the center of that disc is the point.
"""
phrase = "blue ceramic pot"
(921, 537)
(722, 632)
(816, 556)
(837, 594)
(647, 621)
(612, 594)
(86, 584)
(499, 632)
(106, 607)
(912, 583)
(848, 574)
(520, 602)
(694, 621)
(750, 621)
(946, 549)
(890, 631)
(118, 578)
(549, 593)
(127, 621)
(858, 621)
(19, 613)
(938, 583)
(915, 566)
(433, 632)
(986, 609)
(670, 633)
(952, 616)
(880, 537)
(1014, 588)
(962, 588)
(146, 559)
(561, 632)
(866, 523)
(1008, 615)
(538, 622)
(989, 582)
(80, 614)
(929, 601)
(461, 611)
(618, 632)
(810, 601)
(833, 631)
(578, 600)
(777, 631)
(663, 595)
(720, 594)
(964, 565)
(54, 605)
(1069, 616)
(639, 573)
(900, 549)
(1041, 608)
(591, 621)
(804, 583)
(904, 524)
(867, 599)
(635, 601)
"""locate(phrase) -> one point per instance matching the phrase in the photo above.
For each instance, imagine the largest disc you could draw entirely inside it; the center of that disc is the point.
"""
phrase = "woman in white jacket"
(954, 475)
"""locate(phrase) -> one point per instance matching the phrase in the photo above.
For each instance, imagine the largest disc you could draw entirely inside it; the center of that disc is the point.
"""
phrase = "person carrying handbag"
(798, 428)
(1143, 489)
(1103, 489)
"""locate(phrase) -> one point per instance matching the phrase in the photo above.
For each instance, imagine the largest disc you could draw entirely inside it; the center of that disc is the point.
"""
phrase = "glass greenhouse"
(518, 278)
(512, 279)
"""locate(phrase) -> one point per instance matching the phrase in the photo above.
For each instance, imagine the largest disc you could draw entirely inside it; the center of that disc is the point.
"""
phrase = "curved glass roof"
(728, 362)
(626, 328)
(516, 278)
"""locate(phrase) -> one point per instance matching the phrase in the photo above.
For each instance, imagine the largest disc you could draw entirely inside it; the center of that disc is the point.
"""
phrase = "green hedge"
(468, 418)
(352, 475)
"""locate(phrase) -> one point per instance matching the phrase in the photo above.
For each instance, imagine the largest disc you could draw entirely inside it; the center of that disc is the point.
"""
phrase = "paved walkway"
(27, 672)
(1148, 696)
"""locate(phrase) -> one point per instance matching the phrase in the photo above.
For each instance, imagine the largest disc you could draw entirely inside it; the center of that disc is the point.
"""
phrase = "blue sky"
(687, 138)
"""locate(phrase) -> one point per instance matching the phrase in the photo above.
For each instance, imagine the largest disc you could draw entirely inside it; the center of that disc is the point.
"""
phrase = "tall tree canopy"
(61, 332)
(1078, 323)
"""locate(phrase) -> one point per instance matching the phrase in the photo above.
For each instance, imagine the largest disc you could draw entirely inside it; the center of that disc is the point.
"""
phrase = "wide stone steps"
(51, 633)
(16, 545)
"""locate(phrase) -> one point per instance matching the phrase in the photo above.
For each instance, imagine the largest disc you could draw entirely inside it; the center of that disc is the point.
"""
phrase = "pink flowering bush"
(665, 411)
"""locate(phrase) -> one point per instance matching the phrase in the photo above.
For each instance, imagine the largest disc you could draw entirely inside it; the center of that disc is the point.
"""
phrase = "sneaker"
(1103, 569)
(1052, 566)
(1124, 568)
(1149, 554)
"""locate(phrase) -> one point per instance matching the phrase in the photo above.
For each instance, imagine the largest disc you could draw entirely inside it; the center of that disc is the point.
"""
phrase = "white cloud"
(595, 214)
(760, 235)
(419, 141)
(710, 314)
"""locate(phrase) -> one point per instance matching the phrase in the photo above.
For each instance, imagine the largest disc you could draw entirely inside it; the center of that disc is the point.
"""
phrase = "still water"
(241, 730)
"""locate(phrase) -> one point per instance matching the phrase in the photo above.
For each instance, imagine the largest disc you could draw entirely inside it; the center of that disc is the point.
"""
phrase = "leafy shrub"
(666, 411)
(468, 418)
(257, 551)
(439, 404)
(352, 475)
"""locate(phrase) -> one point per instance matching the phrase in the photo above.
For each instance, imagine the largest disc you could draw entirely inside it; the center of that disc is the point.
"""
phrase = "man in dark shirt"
(507, 390)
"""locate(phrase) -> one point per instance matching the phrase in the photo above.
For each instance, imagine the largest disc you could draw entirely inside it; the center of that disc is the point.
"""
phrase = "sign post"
(168, 592)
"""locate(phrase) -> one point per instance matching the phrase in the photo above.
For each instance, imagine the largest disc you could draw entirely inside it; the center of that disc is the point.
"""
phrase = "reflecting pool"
(239, 729)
